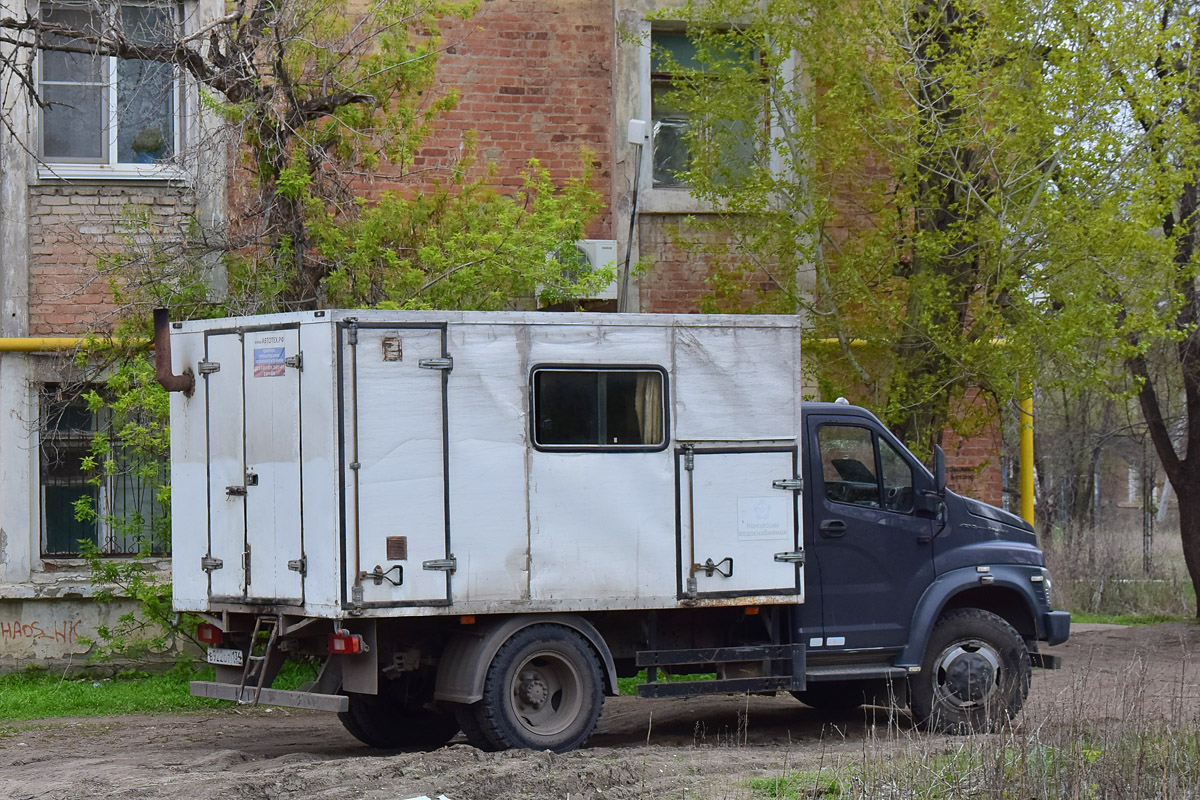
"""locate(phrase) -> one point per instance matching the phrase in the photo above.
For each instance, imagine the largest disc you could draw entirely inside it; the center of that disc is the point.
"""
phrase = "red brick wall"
(973, 463)
(535, 81)
(70, 228)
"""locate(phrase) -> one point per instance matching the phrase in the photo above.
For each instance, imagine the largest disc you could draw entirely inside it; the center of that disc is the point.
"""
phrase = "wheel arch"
(1009, 597)
(464, 662)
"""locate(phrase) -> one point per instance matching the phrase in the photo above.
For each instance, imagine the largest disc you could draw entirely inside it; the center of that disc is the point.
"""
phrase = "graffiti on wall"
(65, 631)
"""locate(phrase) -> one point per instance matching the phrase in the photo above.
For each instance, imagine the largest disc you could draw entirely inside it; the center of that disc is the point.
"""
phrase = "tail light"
(345, 643)
(208, 634)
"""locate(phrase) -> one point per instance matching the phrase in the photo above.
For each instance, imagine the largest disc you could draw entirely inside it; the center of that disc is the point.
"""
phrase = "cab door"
(870, 546)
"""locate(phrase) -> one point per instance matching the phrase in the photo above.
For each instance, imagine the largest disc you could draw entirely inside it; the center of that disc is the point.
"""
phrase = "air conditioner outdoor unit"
(601, 253)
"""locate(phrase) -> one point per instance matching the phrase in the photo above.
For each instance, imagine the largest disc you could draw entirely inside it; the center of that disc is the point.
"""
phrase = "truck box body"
(385, 464)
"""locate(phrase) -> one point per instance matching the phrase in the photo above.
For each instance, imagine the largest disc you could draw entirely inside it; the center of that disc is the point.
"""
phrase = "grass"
(628, 686)
(38, 694)
(1161, 760)
(1101, 575)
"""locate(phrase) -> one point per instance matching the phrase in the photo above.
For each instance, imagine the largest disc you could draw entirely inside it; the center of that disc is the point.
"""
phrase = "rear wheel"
(975, 674)
(543, 691)
(397, 717)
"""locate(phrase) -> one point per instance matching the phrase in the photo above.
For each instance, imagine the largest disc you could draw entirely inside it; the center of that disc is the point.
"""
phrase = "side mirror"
(939, 470)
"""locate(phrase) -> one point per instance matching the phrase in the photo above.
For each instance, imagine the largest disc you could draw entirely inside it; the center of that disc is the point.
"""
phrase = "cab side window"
(897, 479)
(852, 470)
(848, 465)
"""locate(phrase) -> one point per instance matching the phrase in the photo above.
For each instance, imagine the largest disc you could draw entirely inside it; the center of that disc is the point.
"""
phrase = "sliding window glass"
(610, 408)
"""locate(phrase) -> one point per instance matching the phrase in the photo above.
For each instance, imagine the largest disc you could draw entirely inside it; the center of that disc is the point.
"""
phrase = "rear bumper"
(271, 697)
(1057, 625)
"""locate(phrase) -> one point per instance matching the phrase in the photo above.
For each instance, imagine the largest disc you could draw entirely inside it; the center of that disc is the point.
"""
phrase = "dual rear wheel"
(543, 691)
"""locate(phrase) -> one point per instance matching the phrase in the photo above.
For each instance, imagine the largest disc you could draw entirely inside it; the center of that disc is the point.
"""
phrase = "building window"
(580, 408)
(126, 517)
(107, 111)
(673, 55)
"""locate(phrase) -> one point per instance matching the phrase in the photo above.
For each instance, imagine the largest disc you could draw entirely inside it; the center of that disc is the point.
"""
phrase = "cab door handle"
(832, 528)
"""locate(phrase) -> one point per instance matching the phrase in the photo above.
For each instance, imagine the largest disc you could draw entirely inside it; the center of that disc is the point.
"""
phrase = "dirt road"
(664, 749)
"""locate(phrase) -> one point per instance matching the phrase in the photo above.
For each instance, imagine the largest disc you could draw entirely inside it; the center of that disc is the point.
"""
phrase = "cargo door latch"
(441, 564)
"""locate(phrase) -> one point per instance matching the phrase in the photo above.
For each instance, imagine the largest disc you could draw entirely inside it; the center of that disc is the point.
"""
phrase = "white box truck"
(478, 521)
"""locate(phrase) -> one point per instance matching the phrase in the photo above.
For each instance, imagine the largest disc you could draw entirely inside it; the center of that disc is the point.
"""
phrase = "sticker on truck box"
(269, 362)
(764, 518)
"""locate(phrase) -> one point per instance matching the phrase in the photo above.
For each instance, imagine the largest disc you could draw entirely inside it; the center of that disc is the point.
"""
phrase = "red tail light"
(208, 634)
(344, 642)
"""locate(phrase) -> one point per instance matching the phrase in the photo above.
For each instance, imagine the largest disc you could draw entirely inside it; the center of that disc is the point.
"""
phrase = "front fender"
(1010, 585)
(465, 661)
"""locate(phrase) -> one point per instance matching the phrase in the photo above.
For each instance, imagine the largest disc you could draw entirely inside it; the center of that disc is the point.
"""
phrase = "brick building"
(556, 80)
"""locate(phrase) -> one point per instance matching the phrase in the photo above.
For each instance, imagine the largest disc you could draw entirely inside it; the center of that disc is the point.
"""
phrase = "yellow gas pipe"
(47, 344)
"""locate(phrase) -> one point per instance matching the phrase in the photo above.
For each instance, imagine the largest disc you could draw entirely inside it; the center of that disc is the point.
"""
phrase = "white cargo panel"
(387, 463)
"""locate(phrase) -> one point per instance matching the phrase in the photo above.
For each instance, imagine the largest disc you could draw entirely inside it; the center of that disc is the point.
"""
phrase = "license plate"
(226, 657)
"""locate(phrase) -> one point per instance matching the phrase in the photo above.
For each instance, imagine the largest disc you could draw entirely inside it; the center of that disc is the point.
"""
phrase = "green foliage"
(899, 158)
(628, 686)
(464, 246)
(345, 98)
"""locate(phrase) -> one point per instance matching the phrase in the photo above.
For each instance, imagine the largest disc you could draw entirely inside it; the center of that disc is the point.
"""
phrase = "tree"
(960, 172)
(317, 96)
(902, 150)
(1128, 207)
(315, 99)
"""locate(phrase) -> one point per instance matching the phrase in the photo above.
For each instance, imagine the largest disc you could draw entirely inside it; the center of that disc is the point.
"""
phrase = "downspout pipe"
(186, 382)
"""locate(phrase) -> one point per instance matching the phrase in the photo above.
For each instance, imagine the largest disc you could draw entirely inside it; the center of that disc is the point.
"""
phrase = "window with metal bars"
(116, 486)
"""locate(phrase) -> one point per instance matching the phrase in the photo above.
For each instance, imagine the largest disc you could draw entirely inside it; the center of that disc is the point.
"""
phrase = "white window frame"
(110, 167)
(674, 199)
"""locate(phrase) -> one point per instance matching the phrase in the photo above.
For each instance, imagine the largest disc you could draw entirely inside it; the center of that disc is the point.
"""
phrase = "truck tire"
(542, 691)
(975, 674)
(382, 722)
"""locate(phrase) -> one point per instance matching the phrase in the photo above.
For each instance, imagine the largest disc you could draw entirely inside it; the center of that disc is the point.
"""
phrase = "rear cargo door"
(255, 527)
(396, 495)
(738, 533)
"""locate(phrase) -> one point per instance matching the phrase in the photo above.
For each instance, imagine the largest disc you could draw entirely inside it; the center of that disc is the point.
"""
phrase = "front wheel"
(975, 674)
(543, 691)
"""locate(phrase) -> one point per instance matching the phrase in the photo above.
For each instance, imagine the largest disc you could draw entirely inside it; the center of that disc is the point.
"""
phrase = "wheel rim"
(546, 693)
(968, 675)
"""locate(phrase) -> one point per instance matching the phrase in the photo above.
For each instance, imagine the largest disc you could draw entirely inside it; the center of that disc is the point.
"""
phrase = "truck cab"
(890, 555)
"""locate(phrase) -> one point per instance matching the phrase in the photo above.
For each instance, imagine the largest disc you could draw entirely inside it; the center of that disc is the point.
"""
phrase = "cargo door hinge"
(788, 484)
(689, 459)
(792, 557)
(441, 564)
(446, 363)
(351, 331)
(299, 565)
(295, 362)
(206, 367)
(208, 563)
(246, 563)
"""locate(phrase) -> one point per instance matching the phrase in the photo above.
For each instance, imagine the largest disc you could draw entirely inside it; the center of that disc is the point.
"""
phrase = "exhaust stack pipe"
(186, 382)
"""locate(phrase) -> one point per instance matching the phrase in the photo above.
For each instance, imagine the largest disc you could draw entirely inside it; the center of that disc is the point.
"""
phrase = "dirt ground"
(660, 749)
